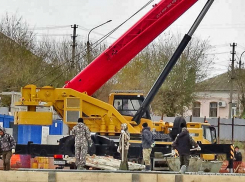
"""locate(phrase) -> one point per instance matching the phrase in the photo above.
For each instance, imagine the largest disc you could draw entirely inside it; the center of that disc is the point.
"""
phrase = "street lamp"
(240, 60)
(88, 44)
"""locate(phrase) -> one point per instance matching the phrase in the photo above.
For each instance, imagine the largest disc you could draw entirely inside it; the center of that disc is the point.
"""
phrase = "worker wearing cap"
(7, 148)
(82, 142)
(183, 143)
(147, 144)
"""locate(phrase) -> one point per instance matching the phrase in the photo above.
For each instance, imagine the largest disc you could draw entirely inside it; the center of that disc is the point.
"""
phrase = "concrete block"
(95, 177)
(144, 177)
(23, 176)
(208, 178)
(166, 178)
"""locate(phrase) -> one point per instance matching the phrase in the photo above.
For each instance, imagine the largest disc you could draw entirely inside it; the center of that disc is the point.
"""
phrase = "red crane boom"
(114, 58)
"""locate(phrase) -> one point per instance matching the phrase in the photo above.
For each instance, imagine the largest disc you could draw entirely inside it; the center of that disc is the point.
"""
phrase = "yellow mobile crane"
(74, 100)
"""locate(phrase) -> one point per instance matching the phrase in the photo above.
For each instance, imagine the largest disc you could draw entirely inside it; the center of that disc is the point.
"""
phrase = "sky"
(223, 24)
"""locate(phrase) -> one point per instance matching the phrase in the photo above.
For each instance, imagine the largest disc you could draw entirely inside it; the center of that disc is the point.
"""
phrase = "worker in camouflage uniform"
(183, 143)
(7, 148)
(82, 142)
(123, 149)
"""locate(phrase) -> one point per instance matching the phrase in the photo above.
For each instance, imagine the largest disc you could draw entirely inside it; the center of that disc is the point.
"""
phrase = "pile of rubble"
(109, 163)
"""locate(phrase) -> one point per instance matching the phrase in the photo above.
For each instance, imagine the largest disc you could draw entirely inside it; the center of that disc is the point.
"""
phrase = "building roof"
(218, 83)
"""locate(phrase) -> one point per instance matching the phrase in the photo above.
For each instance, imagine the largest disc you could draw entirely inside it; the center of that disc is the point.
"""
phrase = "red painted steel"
(99, 71)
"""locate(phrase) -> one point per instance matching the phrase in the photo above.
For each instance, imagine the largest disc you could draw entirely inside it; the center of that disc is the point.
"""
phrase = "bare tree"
(178, 90)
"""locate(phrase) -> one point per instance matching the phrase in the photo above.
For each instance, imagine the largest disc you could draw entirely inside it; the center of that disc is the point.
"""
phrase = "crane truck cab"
(128, 102)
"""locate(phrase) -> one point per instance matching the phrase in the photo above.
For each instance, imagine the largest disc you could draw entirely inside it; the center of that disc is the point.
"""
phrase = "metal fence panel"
(225, 126)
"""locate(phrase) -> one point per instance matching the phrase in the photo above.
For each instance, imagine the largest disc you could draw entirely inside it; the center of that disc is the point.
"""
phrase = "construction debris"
(107, 163)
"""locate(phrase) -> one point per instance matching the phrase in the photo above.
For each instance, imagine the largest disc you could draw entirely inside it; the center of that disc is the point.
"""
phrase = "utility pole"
(73, 45)
(232, 75)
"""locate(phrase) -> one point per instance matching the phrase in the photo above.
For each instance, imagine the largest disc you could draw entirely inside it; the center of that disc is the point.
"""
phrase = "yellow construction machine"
(104, 119)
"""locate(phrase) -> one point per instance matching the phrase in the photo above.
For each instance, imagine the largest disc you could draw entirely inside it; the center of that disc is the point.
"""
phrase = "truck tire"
(179, 123)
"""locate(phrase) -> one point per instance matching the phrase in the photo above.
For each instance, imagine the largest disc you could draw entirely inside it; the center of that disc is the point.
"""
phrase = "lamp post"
(240, 60)
(88, 44)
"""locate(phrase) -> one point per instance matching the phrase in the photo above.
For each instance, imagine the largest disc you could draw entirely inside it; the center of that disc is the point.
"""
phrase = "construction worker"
(82, 142)
(7, 148)
(124, 146)
(147, 144)
(183, 143)
(238, 155)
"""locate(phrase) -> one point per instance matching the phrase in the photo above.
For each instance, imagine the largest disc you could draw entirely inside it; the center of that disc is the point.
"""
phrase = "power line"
(94, 32)
(40, 34)
(50, 27)
(106, 36)
(218, 53)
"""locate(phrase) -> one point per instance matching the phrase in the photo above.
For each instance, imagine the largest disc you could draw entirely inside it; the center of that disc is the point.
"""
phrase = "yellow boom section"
(70, 105)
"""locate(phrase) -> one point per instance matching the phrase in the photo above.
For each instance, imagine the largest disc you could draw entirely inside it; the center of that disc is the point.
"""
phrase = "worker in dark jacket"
(7, 148)
(82, 142)
(238, 155)
(183, 143)
(147, 144)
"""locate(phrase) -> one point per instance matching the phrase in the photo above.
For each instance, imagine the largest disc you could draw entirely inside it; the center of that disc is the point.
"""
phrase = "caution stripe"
(232, 152)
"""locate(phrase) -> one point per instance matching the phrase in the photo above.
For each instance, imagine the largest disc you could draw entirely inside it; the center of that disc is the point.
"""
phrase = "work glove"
(90, 144)
(199, 148)
(153, 145)
(13, 151)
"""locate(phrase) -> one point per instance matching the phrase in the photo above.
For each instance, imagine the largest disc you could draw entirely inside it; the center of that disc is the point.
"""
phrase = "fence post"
(232, 127)
(191, 118)
(218, 129)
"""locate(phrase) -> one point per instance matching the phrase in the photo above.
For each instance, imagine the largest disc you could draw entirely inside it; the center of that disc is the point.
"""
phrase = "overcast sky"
(223, 24)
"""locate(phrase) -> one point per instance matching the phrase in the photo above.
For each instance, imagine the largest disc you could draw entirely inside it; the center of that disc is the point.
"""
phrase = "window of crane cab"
(207, 133)
(194, 134)
(127, 106)
(213, 134)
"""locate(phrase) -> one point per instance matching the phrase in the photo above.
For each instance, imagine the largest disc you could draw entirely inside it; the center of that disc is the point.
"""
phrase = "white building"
(213, 101)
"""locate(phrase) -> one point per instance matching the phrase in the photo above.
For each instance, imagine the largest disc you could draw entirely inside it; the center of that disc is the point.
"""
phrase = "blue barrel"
(1, 118)
(56, 128)
(29, 133)
(7, 119)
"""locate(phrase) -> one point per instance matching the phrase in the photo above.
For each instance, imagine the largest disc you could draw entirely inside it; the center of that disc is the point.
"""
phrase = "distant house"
(213, 101)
